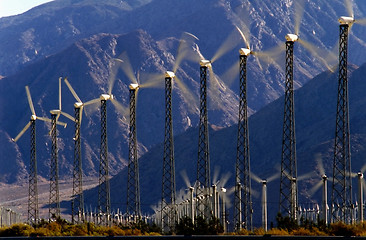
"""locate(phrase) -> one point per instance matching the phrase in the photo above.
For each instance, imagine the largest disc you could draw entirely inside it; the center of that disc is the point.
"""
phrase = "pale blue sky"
(14, 7)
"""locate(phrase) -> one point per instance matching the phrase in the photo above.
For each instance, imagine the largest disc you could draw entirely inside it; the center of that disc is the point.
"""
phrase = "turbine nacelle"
(106, 97)
(78, 105)
(33, 118)
(205, 63)
(244, 51)
(324, 177)
(291, 37)
(360, 175)
(346, 20)
(134, 86)
(264, 181)
(169, 74)
(55, 112)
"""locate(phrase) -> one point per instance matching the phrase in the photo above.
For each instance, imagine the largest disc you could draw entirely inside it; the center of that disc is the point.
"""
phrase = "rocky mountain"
(42, 32)
(89, 66)
(315, 115)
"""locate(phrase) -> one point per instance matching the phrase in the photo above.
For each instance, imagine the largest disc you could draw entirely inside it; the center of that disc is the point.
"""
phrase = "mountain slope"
(41, 32)
(89, 66)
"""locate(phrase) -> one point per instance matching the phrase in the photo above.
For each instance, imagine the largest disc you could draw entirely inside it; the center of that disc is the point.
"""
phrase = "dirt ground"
(15, 197)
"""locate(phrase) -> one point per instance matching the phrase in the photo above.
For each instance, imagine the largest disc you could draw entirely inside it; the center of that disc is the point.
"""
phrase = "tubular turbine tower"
(243, 200)
(203, 163)
(288, 184)
(168, 207)
(133, 185)
(342, 182)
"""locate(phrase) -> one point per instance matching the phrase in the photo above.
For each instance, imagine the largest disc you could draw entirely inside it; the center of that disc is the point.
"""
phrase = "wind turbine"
(264, 202)
(342, 182)
(33, 211)
(78, 196)
(54, 200)
(104, 202)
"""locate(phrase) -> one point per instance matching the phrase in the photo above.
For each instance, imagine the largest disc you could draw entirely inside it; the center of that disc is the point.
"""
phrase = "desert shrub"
(16, 230)
(259, 231)
(54, 229)
(40, 232)
(342, 229)
(278, 231)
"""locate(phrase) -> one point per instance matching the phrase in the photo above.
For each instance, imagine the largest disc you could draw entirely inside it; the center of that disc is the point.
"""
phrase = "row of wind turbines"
(288, 176)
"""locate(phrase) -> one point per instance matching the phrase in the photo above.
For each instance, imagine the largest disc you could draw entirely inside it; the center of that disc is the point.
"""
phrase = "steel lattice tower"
(54, 209)
(77, 204)
(33, 213)
(203, 163)
(342, 183)
(168, 208)
(133, 185)
(288, 184)
(243, 199)
(104, 202)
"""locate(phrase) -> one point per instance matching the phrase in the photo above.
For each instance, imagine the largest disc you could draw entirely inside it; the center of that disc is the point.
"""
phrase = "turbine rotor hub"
(169, 74)
(205, 63)
(292, 37)
(244, 51)
(346, 20)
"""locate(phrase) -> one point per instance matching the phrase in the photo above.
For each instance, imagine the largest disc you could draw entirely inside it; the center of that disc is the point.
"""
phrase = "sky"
(14, 7)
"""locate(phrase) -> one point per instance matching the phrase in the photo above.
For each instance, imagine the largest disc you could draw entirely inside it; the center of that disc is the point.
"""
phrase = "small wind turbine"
(78, 200)
(104, 202)
(33, 212)
(264, 196)
(54, 201)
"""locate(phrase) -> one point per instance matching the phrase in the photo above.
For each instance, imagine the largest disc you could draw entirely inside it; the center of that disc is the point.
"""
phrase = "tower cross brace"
(203, 163)
(33, 212)
(54, 209)
(78, 196)
(288, 183)
(104, 202)
(342, 182)
(168, 208)
(243, 200)
(133, 184)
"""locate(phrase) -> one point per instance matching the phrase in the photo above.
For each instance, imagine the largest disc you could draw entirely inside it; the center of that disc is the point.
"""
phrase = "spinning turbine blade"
(363, 169)
(184, 175)
(273, 177)
(230, 43)
(183, 48)
(361, 21)
(232, 74)
(72, 90)
(190, 99)
(22, 132)
(149, 80)
(30, 102)
(305, 176)
(216, 175)
(315, 188)
(127, 67)
(316, 52)
(299, 13)
(349, 7)
(92, 106)
(320, 165)
(120, 108)
(255, 178)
